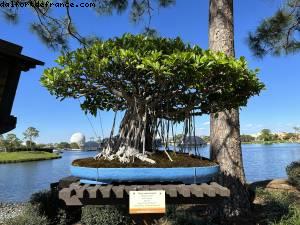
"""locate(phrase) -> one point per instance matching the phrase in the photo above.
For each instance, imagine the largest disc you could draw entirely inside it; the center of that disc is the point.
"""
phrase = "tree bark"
(225, 141)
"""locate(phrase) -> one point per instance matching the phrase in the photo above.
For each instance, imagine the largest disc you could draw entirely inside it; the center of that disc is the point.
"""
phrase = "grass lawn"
(24, 156)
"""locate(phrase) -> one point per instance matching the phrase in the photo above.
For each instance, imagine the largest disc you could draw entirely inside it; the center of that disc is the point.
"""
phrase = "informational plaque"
(143, 202)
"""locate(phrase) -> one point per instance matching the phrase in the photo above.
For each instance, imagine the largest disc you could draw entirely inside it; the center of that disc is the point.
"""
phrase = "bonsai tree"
(151, 79)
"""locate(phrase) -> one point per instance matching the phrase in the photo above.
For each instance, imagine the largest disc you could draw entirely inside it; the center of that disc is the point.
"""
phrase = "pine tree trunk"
(225, 126)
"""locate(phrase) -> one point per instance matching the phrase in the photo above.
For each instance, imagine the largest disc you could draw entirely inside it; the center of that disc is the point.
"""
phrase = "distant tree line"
(66, 145)
(267, 135)
(11, 142)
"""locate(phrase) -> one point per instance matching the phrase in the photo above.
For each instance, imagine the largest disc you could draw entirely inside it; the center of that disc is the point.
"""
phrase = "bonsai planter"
(186, 175)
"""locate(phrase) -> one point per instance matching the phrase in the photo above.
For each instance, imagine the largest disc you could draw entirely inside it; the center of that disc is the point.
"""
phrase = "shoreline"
(26, 156)
(27, 160)
(270, 142)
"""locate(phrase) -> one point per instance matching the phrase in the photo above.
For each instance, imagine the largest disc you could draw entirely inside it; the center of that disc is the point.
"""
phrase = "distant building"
(191, 141)
(91, 146)
(79, 139)
(282, 135)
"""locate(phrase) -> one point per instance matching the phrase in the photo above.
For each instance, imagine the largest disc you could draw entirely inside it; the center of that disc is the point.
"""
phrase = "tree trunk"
(135, 137)
(225, 141)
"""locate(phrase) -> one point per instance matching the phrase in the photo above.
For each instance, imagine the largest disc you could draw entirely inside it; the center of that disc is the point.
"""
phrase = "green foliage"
(3, 143)
(180, 217)
(206, 138)
(293, 172)
(171, 78)
(30, 144)
(290, 136)
(47, 203)
(104, 215)
(56, 27)
(140, 8)
(278, 34)
(247, 138)
(178, 138)
(74, 145)
(44, 208)
(278, 206)
(265, 135)
(30, 216)
(41, 146)
(292, 218)
(64, 145)
(11, 142)
(24, 156)
(29, 134)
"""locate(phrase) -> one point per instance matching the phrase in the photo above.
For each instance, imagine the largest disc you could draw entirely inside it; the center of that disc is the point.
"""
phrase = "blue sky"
(277, 108)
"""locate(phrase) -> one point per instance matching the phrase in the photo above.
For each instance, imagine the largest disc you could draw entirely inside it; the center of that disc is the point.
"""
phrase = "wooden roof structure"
(12, 63)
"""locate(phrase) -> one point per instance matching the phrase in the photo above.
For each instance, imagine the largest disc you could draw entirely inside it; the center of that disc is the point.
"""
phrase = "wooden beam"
(11, 65)
(90, 194)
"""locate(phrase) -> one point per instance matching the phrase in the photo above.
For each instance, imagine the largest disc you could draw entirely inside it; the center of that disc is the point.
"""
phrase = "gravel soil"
(10, 210)
(161, 159)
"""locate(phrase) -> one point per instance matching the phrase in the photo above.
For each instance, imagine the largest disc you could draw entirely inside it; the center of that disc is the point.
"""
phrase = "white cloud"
(206, 123)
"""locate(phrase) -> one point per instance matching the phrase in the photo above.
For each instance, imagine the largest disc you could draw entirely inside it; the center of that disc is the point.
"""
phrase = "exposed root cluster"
(124, 155)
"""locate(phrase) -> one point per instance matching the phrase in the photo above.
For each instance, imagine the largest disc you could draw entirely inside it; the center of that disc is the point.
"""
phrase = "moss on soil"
(161, 159)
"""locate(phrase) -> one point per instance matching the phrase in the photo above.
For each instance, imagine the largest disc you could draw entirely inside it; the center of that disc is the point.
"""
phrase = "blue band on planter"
(187, 175)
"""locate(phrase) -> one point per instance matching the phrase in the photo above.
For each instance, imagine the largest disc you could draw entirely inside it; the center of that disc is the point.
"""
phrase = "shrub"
(48, 204)
(45, 208)
(104, 215)
(292, 218)
(30, 216)
(276, 200)
(293, 172)
(175, 217)
(279, 207)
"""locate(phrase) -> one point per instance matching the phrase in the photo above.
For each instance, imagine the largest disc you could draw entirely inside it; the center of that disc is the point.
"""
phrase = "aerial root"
(124, 155)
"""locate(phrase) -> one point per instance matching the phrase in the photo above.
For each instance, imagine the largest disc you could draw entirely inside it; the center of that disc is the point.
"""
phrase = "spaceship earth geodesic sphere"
(78, 138)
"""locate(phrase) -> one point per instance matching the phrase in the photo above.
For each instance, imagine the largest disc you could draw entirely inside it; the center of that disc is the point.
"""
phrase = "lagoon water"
(19, 180)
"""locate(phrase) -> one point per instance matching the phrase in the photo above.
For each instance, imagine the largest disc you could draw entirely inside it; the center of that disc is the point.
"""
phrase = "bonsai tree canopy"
(150, 78)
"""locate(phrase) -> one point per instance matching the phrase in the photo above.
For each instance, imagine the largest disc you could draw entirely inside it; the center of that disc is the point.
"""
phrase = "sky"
(277, 108)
